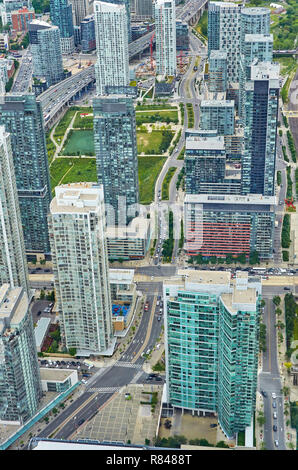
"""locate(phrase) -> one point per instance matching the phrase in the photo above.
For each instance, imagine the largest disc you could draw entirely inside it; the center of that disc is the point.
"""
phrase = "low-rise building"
(40, 331)
(21, 18)
(57, 380)
(124, 297)
(129, 242)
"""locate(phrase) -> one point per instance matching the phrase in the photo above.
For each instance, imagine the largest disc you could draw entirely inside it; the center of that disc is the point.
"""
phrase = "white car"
(273, 395)
(84, 381)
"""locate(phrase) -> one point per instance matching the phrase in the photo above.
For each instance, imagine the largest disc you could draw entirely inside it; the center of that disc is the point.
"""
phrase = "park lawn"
(72, 170)
(63, 125)
(166, 183)
(79, 142)
(154, 143)
(152, 107)
(161, 116)
(83, 122)
(149, 169)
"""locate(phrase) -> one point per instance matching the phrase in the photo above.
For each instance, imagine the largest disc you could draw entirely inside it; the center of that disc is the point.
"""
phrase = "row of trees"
(229, 259)
(176, 441)
(168, 244)
(291, 312)
(285, 232)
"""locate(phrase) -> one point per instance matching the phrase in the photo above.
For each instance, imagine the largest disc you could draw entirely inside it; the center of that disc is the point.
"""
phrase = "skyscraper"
(80, 9)
(46, 52)
(112, 66)
(87, 27)
(254, 21)
(165, 34)
(13, 264)
(22, 117)
(61, 16)
(20, 384)
(80, 265)
(127, 4)
(261, 110)
(218, 115)
(211, 338)
(116, 153)
(217, 74)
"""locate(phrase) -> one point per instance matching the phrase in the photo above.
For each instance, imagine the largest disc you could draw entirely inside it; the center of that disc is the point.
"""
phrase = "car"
(273, 404)
(276, 443)
(274, 415)
(158, 379)
(149, 378)
(274, 428)
(39, 313)
(84, 381)
(159, 318)
(81, 422)
(273, 395)
(213, 425)
(287, 288)
(263, 393)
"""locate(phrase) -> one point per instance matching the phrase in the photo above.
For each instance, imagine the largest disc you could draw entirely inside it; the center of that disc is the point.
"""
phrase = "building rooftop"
(41, 329)
(265, 71)
(121, 276)
(138, 228)
(240, 300)
(13, 307)
(77, 197)
(205, 143)
(255, 11)
(217, 103)
(251, 199)
(57, 375)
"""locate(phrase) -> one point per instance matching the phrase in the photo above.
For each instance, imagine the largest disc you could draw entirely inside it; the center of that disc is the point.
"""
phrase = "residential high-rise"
(182, 36)
(211, 338)
(127, 5)
(254, 21)
(144, 8)
(80, 9)
(13, 264)
(88, 41)
(46, 52)
(224, 34)
(112, 66)
(61, 16)
(261, 111)
(80, 266)
(21, 18)
(218, 114)
(20, 384)
(12, 5)
(22, 117)
(165, 35)
(217, 73)
(224, 224)
(116, 153)
(257, 46)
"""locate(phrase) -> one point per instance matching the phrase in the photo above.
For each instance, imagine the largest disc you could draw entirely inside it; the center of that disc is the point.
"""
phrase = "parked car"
(276, 443)
(273, 395)
(274, 428)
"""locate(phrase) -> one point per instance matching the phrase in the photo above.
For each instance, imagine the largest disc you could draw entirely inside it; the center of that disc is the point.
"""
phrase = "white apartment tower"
(13, 265)
(165, 32)
(80, 265)
(112, 66)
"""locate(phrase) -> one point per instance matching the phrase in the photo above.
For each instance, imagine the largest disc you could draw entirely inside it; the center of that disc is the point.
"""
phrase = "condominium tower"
(165, 34)
(20, 384)
(80, 266)
(116, 153)
(13, 265)
(22, 117)
(261, 111)
(46, 52)
(211, 338)
(112, 66)
(61, 16)
(127, 4)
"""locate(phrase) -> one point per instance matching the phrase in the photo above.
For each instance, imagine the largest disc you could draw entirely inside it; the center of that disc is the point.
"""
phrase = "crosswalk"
(136, 377)
(103, 389)
(128, 364)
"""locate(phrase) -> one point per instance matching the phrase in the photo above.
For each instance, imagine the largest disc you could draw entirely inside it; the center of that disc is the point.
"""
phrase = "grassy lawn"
(78, 170)
(287, 64)
(149, 169)
(155, 142)
(63, 125)
(83, 122)
(152, 107)
(161, 116)
(79, 143)
(166, 183)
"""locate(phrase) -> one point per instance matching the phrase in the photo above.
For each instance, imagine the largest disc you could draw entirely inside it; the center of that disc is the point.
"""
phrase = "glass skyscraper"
(62, 16)
(211, 338)
(165, 34)
(13, 263)
(20, 384)
(21, 115)
(116, 153)
(46, 52)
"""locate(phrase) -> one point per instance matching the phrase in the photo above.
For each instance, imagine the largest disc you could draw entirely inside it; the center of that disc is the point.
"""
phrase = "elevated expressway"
(59, 96)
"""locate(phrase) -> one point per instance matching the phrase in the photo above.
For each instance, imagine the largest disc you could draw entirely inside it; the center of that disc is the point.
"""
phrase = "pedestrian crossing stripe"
(128, 364)
(103, 389)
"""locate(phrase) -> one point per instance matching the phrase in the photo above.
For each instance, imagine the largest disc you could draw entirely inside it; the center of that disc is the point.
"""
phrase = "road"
(101, 387)
(23, 76)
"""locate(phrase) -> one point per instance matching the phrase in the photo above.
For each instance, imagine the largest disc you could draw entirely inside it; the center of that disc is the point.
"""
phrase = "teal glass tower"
(211, 338)
(21, 115)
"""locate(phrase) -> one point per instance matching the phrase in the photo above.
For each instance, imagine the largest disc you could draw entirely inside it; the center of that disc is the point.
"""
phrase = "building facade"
(116, 153)
(261, 112)
(46, 52)
(218, 115)
(127, 4)
(88, 41)
(61, 16)
(182, 37)
(13, 264)
(80, 266)
(80, 9)
(211, 338)
(221, 225)
(217, 73)
(21, 18)
(112, 66)
(165, 35)
(20, 384)
(22, 117)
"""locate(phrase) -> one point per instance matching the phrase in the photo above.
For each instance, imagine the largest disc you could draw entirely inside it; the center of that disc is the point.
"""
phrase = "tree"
(278, 311)
(261, 419)
(72, 351)
(222, 444)
(42, 294)
(254, 258)
(276, 300)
